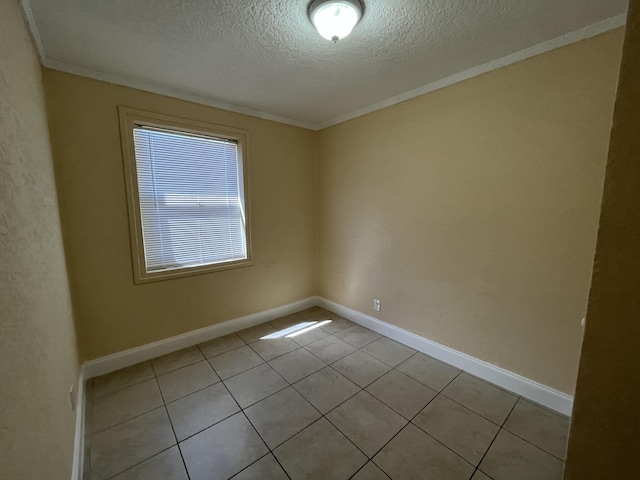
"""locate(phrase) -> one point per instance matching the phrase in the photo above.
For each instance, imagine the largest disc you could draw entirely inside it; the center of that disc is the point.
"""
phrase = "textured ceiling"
(265, 56)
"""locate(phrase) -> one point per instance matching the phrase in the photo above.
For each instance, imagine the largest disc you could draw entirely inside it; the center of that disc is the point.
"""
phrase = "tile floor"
(337, 402)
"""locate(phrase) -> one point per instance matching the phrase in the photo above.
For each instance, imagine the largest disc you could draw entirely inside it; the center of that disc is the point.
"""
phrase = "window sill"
(140, 278)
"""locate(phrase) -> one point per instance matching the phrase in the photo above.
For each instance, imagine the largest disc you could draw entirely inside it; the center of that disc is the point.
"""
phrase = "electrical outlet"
(376, 304)
(72, 398)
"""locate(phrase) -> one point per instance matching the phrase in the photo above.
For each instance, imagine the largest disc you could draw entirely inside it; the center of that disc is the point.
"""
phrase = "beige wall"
(38, 355)
(605, 436)
(114, 314)
(471, 212)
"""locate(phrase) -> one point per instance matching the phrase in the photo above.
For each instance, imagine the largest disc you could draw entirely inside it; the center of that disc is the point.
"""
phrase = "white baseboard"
(111, 363)
(541, 394)
(537, 392)
(78, 445)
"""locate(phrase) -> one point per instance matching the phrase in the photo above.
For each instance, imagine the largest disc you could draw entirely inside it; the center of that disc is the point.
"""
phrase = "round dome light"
(334, 20)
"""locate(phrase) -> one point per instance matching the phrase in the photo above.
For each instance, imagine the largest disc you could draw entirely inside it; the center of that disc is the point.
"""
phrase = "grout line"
(95, 432)
(175, 435)
(546, 409)
(250, 465)
(363, 466)
(241, 411)
(350, 397)
(530, 443)
(326, 364)
(181, 366)
(421, 382)
(281, 466)
(235, 475)
(410, 422)
(209, 426)
(273, 358)
(496, 435)
(125, 421)
(363, 389)
(404, 418)
(238, 373)
(385, 444)
(402, 415)
(226, 351)
(268, 396)
(499, 425)
(291, 385)
(430, 436)
(270, 452)
(164, 405)
(199, 389)
(441, 392)
(192, 393)
(140, 462)
(301, 378)
(466, 408)
(95, 397)
(200, 350)
(343, 434)
(491, 384)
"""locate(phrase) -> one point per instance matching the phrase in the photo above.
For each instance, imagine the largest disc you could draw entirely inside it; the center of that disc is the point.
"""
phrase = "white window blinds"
(191, 199)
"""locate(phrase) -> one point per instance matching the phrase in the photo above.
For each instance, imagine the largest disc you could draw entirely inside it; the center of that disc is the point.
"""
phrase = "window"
(186, 192)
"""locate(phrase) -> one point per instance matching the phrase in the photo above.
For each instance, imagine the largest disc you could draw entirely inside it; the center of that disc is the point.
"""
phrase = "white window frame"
(131, 118)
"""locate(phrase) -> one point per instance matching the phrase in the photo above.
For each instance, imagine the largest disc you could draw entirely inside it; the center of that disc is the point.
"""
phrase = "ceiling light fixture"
(334, 19)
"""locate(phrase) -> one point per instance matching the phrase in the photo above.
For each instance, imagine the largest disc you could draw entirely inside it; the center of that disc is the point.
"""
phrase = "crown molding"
(553, 44)
(540, 48)
(169, 92)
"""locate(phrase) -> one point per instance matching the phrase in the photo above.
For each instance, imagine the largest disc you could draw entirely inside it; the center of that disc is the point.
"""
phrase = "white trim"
(558, 42)
(169, 92)
(546, 396)
(111, 363)
(518, 384)
(562, 41)
(537, 392)
(33, 27)
(78, 445)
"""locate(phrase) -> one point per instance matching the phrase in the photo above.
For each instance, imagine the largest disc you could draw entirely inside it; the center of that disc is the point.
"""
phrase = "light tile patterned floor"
(339, 402)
